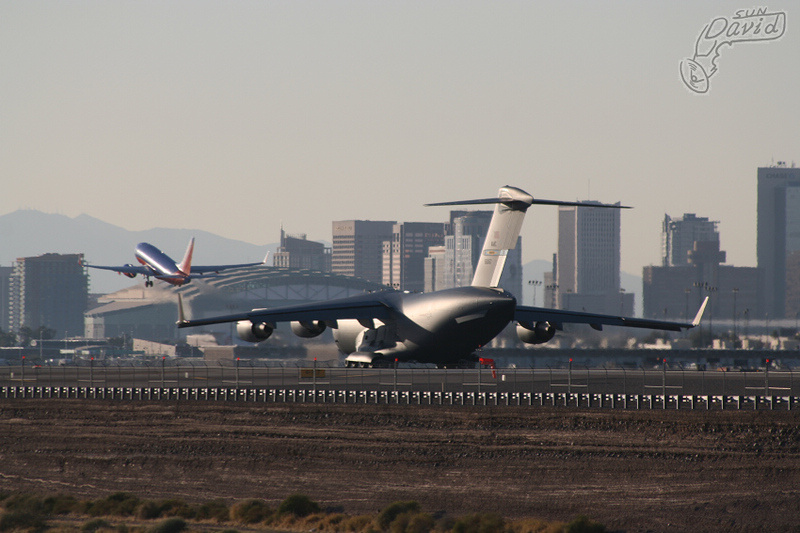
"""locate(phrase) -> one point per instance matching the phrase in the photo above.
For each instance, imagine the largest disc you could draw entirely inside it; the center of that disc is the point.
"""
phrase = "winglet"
(699, 315)
(186, 263)
(181, 313)
(266, 257)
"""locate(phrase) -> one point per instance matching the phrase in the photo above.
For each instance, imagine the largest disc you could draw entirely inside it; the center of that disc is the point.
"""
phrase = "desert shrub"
(445, 523)
(356, 523)
(170, 525)
(59, 504)
(532, 525)
(331, 522)
(117, 504)
(250, 511)
(176, 507)
(420, 523)
(25, 503)
(21, 520)
(479, 523)
(148, 510)
(388, 514)
(298, 505)
(214, 510)
(412, 523)
(583, 525)
(95, 524)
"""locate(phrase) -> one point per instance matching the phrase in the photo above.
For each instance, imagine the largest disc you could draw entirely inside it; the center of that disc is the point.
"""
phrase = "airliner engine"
(308, 329)
(129, 274)
(250, 332)
(538, 333)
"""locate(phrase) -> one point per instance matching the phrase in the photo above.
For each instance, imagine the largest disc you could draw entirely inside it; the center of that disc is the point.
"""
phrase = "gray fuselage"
(438, 327)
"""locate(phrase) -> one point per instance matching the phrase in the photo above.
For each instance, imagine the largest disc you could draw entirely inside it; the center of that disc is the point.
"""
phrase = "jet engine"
(308, 329)
(129, 274)
(250, 332)
(347, 335)
(538, 333)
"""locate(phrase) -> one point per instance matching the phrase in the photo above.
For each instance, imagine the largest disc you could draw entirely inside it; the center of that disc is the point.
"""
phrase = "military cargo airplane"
(443, 327)
(159, 265)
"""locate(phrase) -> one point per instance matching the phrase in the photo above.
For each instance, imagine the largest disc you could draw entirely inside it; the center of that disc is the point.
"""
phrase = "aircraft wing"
(218, 268)
(362, 307)
(559, 317)
(124, 269)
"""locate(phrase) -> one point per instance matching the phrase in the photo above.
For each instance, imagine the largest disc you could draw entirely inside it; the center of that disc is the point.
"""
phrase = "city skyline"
(236, 118)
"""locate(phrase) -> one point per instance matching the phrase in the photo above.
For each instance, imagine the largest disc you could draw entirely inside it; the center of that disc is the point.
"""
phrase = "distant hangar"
(150, 313)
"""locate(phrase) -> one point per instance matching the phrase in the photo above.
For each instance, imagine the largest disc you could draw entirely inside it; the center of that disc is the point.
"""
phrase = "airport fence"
(665, 387)
(548, 399)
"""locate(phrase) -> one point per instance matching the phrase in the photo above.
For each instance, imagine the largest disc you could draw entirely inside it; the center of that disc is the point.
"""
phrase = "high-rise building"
(5, 295)
(358, 248)
(435, 269)
(50, 290)
(462, 251)
(678, 236)
(675, 292)
(296, 251)
(404, 254)
(589, 261)
(778, 237)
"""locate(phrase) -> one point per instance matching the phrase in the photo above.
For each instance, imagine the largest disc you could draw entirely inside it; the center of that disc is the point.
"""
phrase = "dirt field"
(632, 471)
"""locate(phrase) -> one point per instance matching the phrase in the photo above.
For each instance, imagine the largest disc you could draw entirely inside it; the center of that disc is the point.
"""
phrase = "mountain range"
(28, 233)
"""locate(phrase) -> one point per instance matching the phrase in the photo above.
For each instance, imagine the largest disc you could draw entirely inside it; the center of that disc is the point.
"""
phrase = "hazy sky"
(235, 117)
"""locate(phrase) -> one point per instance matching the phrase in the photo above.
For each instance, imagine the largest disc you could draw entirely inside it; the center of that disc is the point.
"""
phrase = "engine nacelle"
(348, 334)
(308, 329)
(538, 333)
(129, 274)
(250, 332)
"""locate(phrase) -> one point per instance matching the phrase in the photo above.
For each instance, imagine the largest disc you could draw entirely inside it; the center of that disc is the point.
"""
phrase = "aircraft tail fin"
(185, 265)
(699, 315)
(509, 212)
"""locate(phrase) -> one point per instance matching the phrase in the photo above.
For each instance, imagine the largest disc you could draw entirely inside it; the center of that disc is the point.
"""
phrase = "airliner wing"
(124, 269)
(559, 317)
(362, 307)
(218, 268)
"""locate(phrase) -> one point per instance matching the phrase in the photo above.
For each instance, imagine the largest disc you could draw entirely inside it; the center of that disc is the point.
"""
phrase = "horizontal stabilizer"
(533, 201)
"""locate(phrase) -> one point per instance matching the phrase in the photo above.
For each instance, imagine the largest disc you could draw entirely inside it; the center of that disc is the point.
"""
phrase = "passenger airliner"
(443, 327)
(157, 264)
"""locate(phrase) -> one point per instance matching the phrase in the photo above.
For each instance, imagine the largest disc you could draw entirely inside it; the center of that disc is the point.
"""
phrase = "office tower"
(462, 251)
(435, 268)
(50, 290)
(296, 251)
(678, 236)
(404, 254)
(778, 238)
(5, 296)
(358, 248)
(588, 261)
